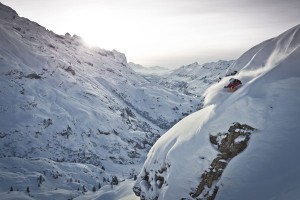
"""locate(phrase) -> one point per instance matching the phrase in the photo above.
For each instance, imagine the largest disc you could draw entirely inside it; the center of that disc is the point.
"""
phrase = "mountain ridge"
(53, 83)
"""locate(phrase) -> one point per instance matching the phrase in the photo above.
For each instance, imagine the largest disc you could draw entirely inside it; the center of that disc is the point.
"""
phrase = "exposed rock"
(157, 181)
(66, 132)
(71, 70)
(2, 135)
(47, 122)
(33, 76)
(229, 145)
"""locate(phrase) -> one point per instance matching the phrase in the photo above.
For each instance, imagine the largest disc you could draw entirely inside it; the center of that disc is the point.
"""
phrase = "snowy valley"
(73, 116)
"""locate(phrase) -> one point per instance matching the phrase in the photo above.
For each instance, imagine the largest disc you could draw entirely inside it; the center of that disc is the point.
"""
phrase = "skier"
(233, 85)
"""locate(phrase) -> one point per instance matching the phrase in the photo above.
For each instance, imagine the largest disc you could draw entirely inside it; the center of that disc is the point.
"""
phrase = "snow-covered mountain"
(241, 145)
(64, 102)
(67, 102)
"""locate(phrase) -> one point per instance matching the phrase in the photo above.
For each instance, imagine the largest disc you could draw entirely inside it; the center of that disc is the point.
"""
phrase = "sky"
(166, 33)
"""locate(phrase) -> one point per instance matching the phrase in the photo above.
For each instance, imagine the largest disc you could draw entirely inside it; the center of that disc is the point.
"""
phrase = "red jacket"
(234, 84)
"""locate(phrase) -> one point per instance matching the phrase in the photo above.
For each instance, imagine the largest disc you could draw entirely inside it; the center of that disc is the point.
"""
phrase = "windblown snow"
(269, 168)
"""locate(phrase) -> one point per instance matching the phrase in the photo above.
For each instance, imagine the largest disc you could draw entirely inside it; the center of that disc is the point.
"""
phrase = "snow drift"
(269, 168)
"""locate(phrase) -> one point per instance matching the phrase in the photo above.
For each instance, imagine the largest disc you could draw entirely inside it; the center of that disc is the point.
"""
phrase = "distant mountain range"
(156, 70)
(192, 79)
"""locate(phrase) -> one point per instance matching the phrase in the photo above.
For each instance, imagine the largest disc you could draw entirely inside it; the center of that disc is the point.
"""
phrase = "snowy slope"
(64, 101)
(60, 98)
(46, 179)
(192, 160)
(60, 180)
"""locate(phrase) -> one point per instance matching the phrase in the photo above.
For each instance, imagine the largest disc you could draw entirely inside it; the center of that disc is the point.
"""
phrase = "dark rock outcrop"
(229, 145)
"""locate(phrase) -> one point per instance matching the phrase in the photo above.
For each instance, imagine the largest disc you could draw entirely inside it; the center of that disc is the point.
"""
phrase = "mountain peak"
(7, 12)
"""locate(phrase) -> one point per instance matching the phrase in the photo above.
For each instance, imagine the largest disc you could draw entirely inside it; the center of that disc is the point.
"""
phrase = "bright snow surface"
(94, 96)
(65, 101)
(268, 101)
(73, 105)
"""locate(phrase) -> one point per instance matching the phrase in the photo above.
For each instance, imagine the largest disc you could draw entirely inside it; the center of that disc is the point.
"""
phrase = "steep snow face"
(268, 100)
(67, 102)
(268, 53)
